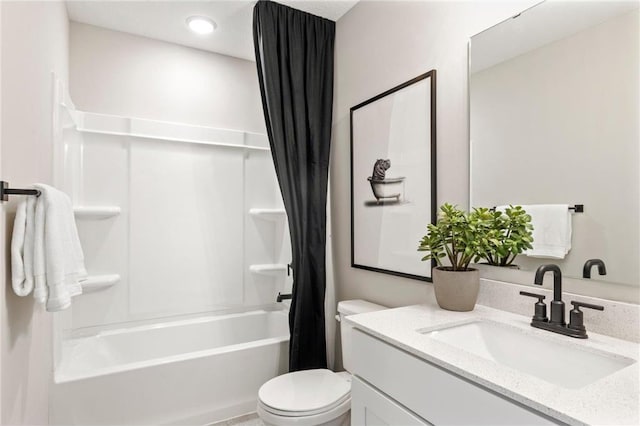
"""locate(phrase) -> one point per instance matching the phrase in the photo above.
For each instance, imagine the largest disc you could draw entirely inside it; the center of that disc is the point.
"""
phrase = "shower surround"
(183, 272)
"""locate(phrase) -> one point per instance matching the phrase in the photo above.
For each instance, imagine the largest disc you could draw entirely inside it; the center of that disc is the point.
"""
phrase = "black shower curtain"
(294, 55)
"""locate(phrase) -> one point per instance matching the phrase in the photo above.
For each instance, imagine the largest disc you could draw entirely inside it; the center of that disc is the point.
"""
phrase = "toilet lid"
(307, 391)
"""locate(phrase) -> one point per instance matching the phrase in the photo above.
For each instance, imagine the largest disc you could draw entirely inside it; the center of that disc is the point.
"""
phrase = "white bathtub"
(183, 372)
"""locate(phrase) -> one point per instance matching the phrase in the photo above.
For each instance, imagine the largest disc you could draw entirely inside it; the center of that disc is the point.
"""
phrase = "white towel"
(52, 259)
(551, 230)
(22, 247)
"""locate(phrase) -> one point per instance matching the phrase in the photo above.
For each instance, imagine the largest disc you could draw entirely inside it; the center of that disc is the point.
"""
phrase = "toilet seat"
(306, 393)
(305, 413)
(340, 415)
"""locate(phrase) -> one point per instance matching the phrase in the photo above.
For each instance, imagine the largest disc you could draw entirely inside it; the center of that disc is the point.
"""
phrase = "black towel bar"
(5, 191)
(578, 208)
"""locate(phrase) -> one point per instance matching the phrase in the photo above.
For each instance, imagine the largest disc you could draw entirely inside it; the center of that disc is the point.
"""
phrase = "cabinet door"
(369, 407)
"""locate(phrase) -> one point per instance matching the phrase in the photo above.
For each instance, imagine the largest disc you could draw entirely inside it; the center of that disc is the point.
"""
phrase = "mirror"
(554, 120)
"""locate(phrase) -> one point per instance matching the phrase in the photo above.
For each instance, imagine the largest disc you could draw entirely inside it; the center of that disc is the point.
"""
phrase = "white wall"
(3, 258)
(380, 44)
(121, 74)
(29, 53)
(569, 108)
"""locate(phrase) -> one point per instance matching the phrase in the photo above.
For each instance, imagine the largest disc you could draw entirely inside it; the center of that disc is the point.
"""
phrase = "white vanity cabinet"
(393, 387)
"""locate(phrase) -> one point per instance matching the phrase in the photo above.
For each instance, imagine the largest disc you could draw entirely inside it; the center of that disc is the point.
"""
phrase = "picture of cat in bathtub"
(386, 190)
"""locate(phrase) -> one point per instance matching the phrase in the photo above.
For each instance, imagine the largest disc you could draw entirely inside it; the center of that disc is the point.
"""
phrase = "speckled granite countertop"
(612, 400)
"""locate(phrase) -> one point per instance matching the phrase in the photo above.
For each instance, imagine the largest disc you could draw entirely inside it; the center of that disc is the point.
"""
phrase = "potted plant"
(508, 234)
(458, 237)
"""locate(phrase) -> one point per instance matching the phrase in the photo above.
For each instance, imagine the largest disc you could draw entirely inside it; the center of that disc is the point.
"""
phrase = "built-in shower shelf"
(99, 282)
(163, 131)
(269, 268)
(96, 212)
(269, 214)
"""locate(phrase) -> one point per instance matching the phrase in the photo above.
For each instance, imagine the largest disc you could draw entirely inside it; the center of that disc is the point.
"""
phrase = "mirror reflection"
(554, 120)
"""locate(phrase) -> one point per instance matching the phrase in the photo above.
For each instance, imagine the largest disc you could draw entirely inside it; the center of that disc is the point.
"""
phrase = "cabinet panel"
(431, 392)
(369, 407)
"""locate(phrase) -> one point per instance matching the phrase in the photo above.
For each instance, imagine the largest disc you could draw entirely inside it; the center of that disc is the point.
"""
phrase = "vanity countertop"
(612, 400)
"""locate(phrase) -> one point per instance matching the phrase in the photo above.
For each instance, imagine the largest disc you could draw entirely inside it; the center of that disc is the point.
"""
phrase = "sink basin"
(566, 365)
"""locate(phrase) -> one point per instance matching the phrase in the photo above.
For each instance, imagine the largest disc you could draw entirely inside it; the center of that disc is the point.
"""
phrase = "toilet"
(314, 397)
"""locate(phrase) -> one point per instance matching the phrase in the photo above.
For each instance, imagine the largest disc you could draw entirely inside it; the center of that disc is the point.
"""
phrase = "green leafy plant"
(457, 236)
(507, 234)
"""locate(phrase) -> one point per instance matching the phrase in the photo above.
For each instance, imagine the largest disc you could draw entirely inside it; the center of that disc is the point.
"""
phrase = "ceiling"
(165, 20)
(538, 26)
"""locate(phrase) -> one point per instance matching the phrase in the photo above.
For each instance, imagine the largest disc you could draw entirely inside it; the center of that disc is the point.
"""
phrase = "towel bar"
(578, 208)
(5, 191)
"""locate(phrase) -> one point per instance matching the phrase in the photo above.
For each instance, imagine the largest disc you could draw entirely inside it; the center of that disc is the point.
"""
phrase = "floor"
(246, 420)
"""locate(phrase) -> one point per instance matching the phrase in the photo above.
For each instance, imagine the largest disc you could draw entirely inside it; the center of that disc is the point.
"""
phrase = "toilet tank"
(346, 308)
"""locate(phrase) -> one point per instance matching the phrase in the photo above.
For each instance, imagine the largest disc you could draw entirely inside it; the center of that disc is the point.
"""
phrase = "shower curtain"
(294, 56)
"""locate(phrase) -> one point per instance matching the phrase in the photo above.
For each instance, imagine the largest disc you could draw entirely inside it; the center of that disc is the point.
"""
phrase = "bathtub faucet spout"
(282, 297)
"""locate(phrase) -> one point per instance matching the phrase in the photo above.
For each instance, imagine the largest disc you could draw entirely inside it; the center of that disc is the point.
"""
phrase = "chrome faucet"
(557, 324)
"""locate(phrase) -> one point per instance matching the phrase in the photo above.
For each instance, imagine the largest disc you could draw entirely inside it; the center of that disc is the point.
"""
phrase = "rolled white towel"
(21, 285)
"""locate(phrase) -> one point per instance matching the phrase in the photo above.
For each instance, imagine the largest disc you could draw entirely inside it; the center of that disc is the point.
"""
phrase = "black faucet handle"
(576, 321)
(540, 297)
(540, 313)
(578, 305)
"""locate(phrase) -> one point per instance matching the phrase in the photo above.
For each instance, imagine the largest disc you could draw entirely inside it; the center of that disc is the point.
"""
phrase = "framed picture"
(393, 178)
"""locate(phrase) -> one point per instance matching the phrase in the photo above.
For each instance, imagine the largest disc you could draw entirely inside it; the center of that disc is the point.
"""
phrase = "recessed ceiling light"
(201, 24)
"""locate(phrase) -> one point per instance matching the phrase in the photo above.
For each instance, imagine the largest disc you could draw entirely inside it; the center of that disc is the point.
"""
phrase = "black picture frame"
(384, 112)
